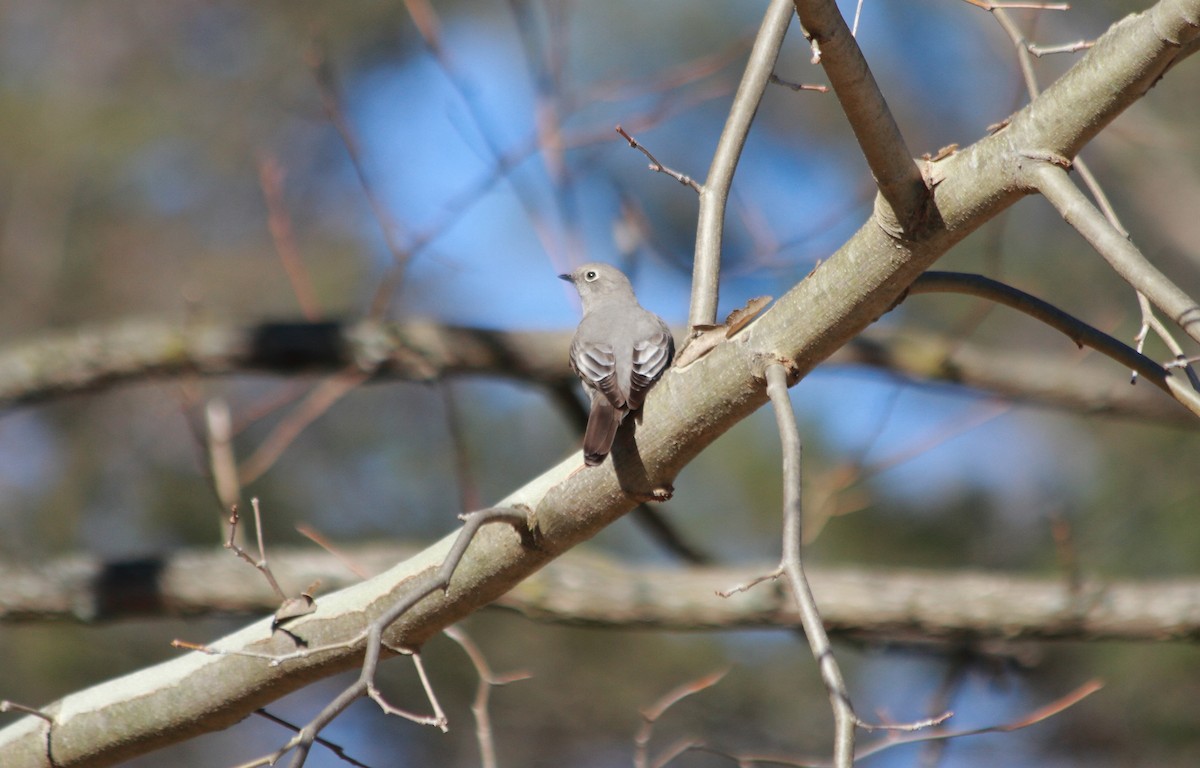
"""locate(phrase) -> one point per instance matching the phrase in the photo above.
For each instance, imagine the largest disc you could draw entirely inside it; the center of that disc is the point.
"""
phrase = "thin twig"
(544, 59)
(1027, 5)
(12, 706)
(1077, 330)
(777, 80)
(468, 488)
(322, 541)
(658, 167)
(952, 681)
(261, 564)
(793, 568)
(679, 75)
(315, 404)
(1021, 45)
(747, 760)
(222, 464)
(547, 140)
(393, 234)
(270, 179)
(479, 705)
(336, 749)
(651, 715)
(437, 719)
(1037, 716)
(372, 636)
(1124, 257)
(1047, 50)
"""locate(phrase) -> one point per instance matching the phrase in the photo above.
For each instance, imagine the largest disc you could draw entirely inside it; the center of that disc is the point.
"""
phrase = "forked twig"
(261, 564)
(487, 681)
(371, 638)
(1025, 50)
(1037, 716)
(437, 719)
(651, 715)
(748, 760)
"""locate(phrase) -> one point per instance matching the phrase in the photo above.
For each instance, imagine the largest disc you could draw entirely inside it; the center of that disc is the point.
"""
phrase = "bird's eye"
(591, 275)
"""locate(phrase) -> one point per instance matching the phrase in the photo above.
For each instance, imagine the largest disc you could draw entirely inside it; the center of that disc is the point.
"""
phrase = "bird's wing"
(596, 364)
(651, 356)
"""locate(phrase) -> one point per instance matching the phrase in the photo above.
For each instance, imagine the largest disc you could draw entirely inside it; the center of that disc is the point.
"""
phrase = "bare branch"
(792, 567)
(91, 359)
(374, 640)
(260, 564)
(322, 397)
(334, 748)
(714, 195)
(487, 681)
(655, 165)
(876, 604)
(1119, 252)
(1024, 50)
(879, 138)
(1077, 330)
(393, 232)
(279, 222)
(776, 80)
(222, 464)
(437, 719)
(651, 715)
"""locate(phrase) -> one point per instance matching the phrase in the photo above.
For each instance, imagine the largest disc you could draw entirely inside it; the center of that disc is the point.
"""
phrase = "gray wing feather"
(596, 364)
(651, 356)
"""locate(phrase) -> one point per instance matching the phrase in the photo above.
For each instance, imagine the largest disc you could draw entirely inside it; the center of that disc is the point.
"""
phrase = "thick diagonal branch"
(689, 409)
(879, 137)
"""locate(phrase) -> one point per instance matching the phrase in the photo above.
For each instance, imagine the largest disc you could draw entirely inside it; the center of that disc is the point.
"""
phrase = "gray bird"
(619, 351)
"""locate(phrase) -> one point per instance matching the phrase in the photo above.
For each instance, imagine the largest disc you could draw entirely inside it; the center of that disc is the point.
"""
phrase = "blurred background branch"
(90, 360)
(871, 605)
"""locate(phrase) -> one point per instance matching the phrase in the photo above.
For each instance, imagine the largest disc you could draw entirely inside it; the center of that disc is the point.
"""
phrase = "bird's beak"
(565, 277)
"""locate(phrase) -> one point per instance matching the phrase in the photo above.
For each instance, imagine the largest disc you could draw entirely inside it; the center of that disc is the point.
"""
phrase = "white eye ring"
(591, 275)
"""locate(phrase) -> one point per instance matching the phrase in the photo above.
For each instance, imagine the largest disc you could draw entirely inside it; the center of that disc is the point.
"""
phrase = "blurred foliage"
(131, 135)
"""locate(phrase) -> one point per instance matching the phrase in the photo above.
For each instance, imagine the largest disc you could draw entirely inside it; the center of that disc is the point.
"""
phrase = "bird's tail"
(601, 429)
